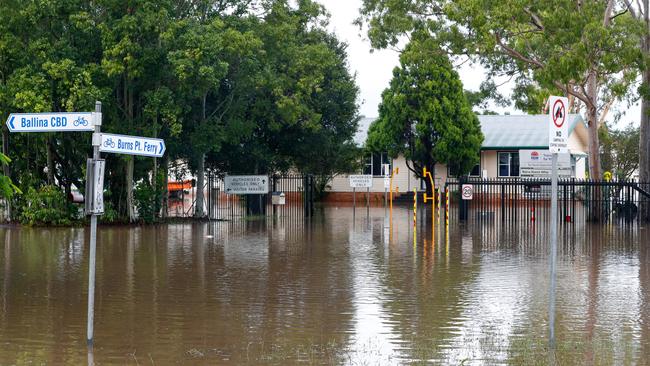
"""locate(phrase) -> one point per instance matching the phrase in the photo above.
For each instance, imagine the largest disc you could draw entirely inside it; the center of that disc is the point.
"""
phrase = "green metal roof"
(519, 131)
(502, 132)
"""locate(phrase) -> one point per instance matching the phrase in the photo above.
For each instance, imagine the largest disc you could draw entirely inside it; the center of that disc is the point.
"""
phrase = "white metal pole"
(553, 254)
(93, 246)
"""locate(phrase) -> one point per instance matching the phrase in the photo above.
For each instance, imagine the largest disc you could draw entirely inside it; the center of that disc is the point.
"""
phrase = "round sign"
(559, 113)
(467, 191)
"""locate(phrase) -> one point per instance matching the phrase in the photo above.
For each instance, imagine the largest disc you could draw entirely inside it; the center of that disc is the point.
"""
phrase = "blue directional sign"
(51, 122)
(131, 145)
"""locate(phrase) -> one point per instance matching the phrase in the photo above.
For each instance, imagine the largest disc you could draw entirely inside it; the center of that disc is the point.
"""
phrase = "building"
(515, 146)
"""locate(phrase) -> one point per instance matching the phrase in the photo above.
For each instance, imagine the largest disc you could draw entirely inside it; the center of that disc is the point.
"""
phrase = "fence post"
(462, 204)
(503, 202)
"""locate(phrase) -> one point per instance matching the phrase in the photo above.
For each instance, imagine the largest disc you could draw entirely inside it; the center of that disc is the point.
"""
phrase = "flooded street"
(339, 289)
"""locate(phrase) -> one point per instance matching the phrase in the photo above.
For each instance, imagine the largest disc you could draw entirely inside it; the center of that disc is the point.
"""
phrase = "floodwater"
(339, 289)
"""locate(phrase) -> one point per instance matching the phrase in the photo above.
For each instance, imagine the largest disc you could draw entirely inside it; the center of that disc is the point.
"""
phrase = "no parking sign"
(467, 191)
(558, 130)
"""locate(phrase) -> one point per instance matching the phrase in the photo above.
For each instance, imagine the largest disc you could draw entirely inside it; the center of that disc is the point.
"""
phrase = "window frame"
(510, 154)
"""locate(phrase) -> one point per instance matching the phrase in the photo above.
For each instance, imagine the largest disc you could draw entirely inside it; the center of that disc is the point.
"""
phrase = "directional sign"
(558, 127)
(52, 122)
(131, 145)
(467, 192)
(247, 184)
(361, 181)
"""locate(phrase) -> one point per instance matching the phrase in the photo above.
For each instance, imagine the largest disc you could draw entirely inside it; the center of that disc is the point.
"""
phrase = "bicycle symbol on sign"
(80, 122)
(109, 143)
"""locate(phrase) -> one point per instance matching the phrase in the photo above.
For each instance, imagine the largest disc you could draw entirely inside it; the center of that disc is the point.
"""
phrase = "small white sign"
(131, 145)
(538, 164)
(467, 191)
(94, 196)
(558, 127)
(387, 182)
(247, 184)
(361, 181)
(52, 122)
(98, 186)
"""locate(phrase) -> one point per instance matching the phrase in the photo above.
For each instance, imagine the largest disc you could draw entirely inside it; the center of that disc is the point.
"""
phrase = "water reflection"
(342, 288)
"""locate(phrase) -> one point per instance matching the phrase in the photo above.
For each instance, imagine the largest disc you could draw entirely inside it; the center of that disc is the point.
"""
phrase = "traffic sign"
(558, 127)
(131, 145)
(467, 192)
(53, 122)
(247, 184)
(361, 181)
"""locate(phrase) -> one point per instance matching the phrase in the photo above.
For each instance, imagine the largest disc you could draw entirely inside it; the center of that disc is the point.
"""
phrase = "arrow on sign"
(131, 145)
(51, 122)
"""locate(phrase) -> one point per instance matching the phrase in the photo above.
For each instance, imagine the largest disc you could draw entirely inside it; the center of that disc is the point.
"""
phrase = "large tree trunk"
(130, 204)
(200, 182)
(5, 168)
(165, 192)
(50, 160)
(644, 131)
(592, 122)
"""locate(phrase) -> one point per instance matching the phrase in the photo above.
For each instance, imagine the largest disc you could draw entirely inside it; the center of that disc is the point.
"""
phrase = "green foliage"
(620, 151)
(425, 115)
(253, 86)
(147, 200)
(7, 187)
(587, 50)
(47, 206)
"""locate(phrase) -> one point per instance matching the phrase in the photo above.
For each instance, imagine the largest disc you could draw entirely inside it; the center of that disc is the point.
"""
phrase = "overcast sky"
(374, 70)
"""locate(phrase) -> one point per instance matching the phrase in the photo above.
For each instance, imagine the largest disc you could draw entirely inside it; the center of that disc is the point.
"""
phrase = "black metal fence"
(297, 199)
(529, 199)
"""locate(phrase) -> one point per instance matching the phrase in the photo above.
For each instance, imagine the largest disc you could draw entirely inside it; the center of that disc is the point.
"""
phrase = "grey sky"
(374, 70)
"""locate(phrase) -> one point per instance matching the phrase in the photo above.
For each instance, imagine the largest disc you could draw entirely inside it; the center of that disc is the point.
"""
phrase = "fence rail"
(529, 199)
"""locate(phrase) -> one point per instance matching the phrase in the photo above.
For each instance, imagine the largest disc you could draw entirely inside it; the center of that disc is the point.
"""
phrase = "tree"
(587, 50)
(620, 151)
(425, 115)
(640, 10)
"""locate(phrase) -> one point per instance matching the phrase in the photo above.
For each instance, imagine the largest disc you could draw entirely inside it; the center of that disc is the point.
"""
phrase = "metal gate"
(515, 199)
(297, 191)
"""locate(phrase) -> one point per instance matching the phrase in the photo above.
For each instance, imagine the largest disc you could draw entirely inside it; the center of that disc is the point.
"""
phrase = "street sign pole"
(93, 238)
(558, 134)
(553, 264)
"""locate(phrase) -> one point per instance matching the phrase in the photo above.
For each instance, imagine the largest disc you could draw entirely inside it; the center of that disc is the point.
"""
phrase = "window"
(452, 171)
(375, 162)
(508, 164)
(476, 171)
(573, 166)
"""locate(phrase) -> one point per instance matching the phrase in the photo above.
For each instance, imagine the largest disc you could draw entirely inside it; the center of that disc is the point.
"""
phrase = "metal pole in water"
(415, 219)
(93, 247)
(553, 254)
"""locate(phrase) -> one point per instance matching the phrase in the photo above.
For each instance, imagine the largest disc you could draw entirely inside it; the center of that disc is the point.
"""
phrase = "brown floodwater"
(338, 289)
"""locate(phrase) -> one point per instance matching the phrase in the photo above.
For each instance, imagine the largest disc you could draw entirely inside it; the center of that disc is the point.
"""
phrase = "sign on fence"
(247, 184)
(467, 191)
(361, 181)
(538, 164)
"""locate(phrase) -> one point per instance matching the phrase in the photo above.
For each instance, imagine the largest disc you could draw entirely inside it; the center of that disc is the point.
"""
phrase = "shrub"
(147, 201)
(47, 206)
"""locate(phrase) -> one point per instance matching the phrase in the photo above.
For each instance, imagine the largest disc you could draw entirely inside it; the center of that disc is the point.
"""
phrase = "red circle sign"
(559, 113)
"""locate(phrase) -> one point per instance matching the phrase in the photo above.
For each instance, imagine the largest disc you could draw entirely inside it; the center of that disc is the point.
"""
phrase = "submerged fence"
(297, 199)
(530, 199)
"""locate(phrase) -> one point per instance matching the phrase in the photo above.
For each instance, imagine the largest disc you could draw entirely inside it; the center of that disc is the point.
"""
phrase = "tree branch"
(536, 20)
(516, 54)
